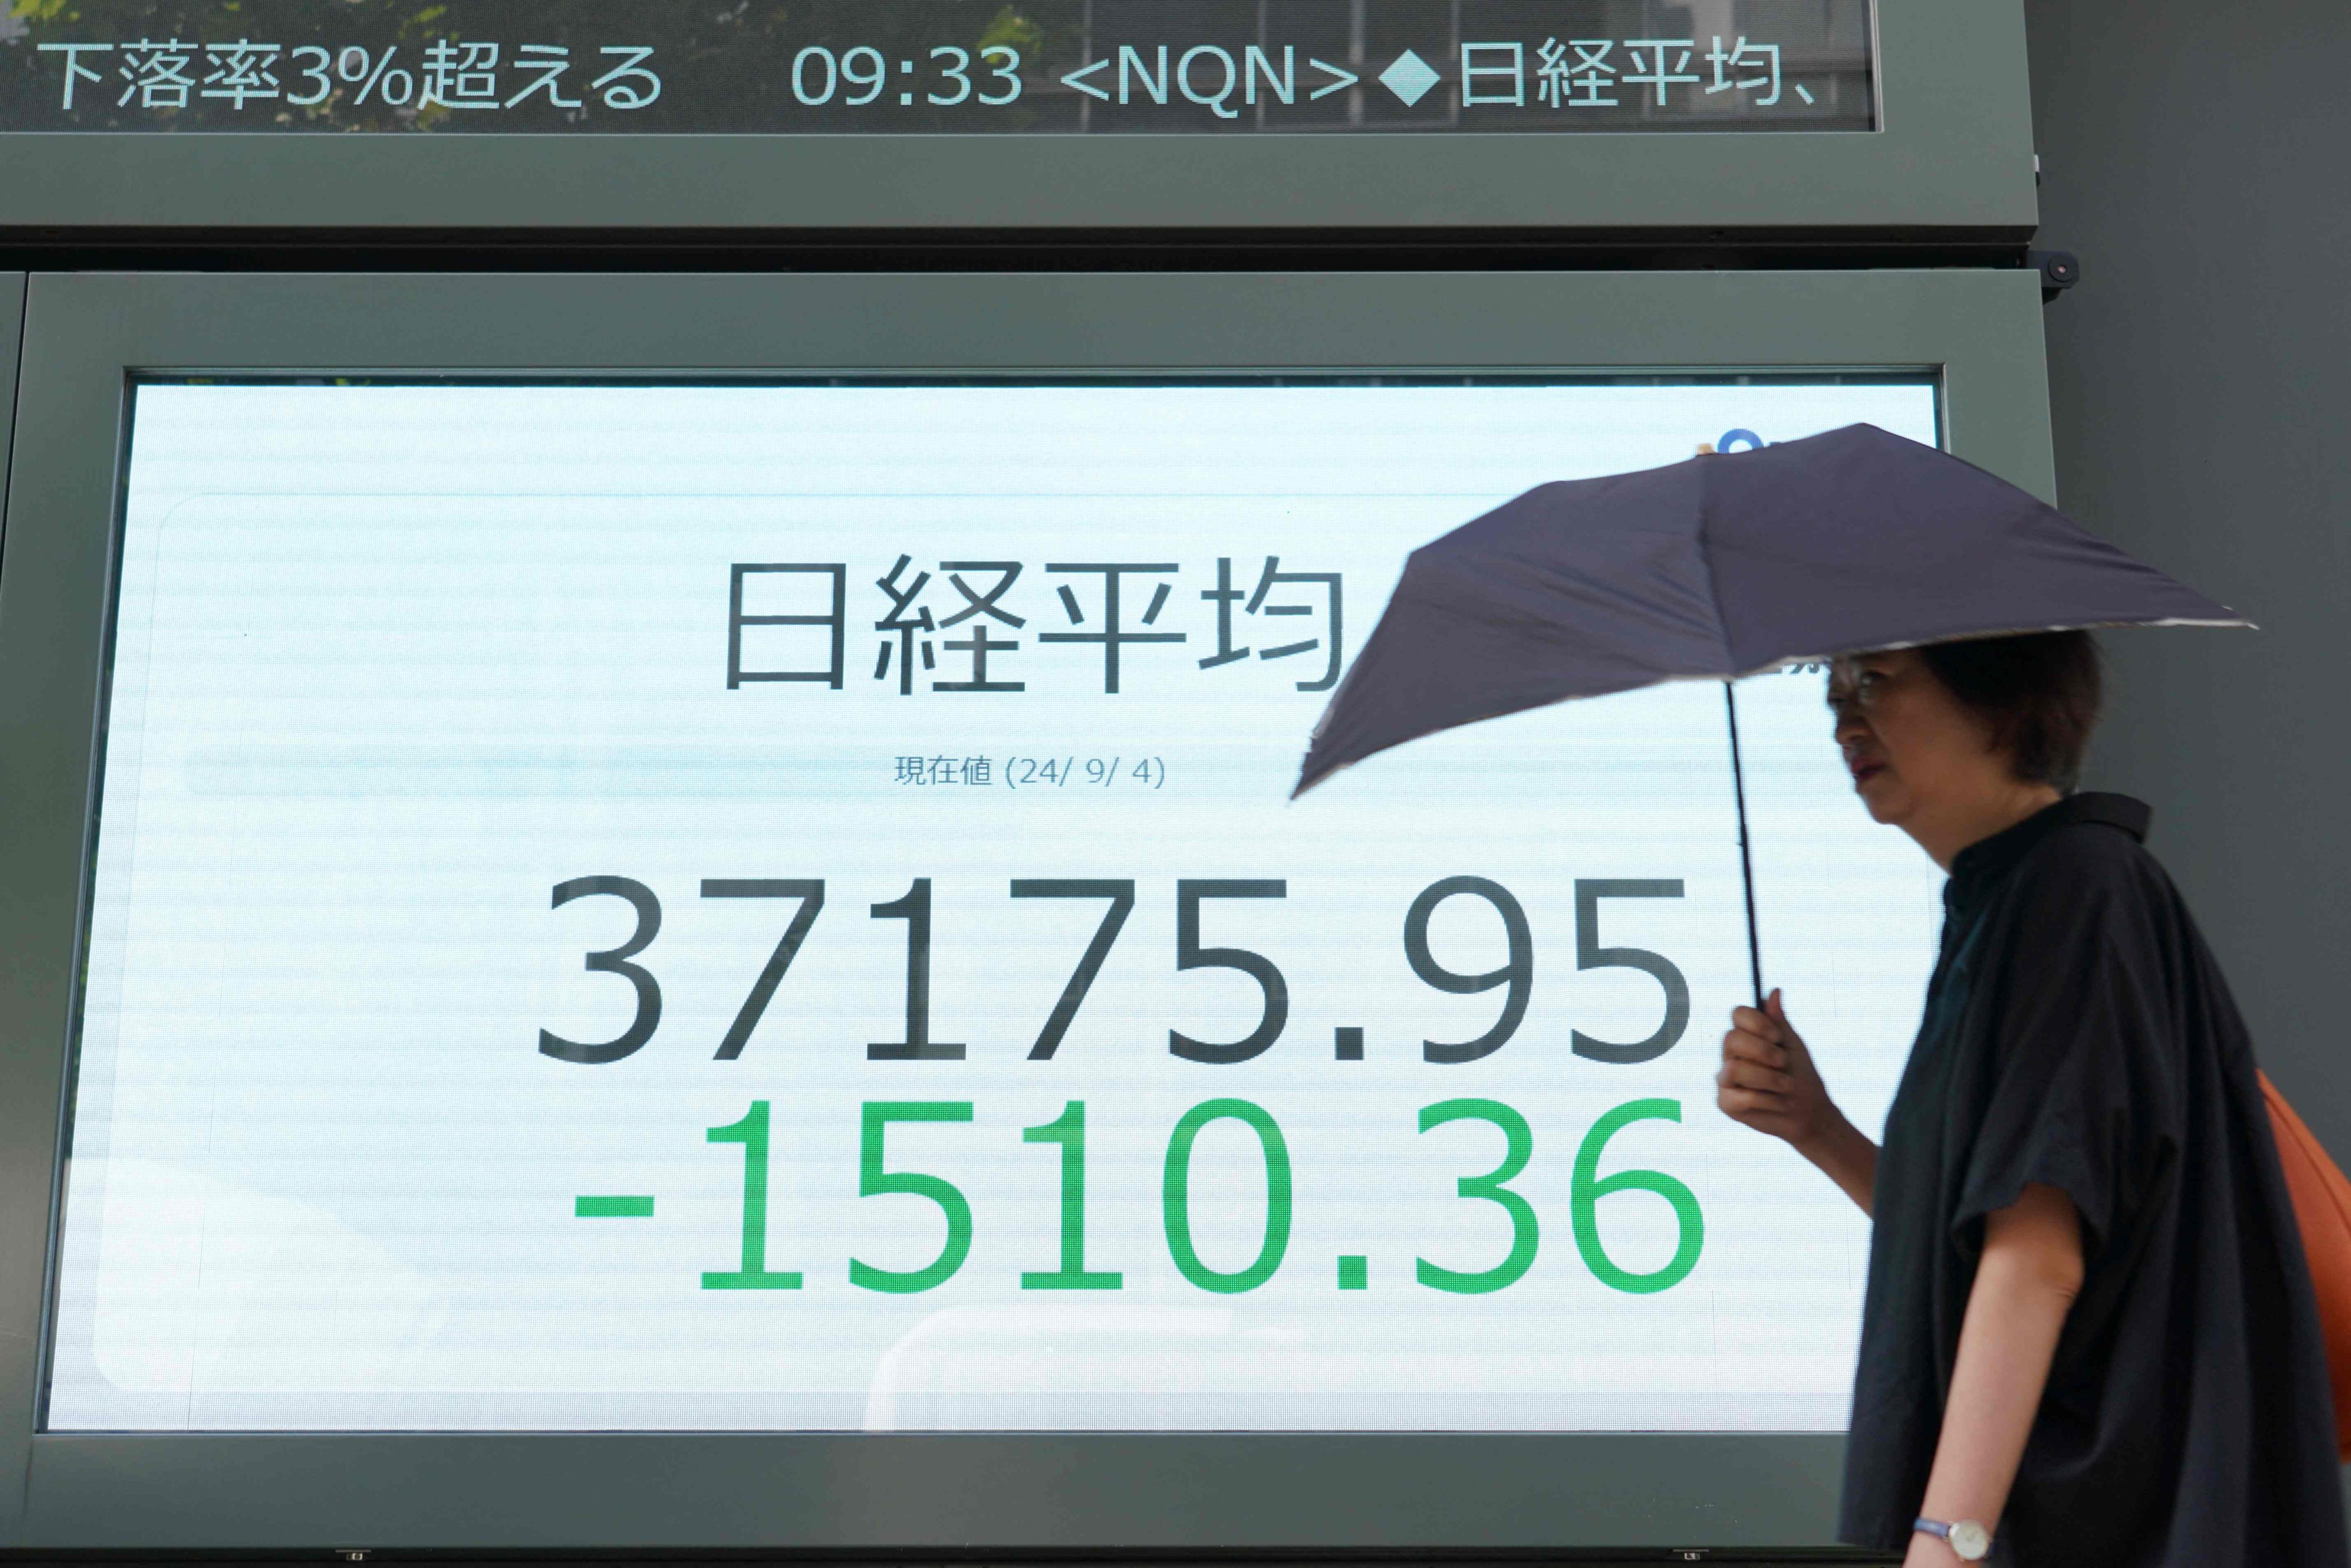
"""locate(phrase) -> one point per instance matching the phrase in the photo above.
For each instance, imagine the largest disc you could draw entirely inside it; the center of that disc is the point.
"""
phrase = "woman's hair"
(2038, 693)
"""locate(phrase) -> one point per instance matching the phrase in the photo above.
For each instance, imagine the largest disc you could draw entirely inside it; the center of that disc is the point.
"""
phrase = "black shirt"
(2078, 1033)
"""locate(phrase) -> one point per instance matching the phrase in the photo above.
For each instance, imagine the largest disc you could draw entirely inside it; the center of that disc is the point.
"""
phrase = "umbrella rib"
(1706, 560)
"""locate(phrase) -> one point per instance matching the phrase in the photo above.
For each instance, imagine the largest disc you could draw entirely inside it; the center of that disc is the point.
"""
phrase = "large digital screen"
(778, 907)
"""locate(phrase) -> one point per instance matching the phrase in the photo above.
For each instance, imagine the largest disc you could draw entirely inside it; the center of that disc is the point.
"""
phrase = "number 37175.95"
(1514, 976)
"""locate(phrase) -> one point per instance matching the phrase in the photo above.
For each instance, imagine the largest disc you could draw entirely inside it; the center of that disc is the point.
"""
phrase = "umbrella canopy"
(1722, 567)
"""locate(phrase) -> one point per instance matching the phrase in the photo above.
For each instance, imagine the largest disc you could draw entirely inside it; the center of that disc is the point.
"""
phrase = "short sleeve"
(2074, 1034)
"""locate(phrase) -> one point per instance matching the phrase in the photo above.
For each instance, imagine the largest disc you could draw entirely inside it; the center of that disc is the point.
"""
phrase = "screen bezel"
(1952, 157)
(88, 337)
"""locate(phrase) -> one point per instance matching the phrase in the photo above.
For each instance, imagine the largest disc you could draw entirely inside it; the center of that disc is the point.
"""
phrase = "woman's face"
(1916, 754)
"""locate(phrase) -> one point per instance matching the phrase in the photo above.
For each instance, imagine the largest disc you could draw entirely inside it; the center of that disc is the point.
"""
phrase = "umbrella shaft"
(1746, 862)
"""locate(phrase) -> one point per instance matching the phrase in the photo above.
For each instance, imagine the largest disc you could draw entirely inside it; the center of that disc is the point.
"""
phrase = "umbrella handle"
(1746, 862)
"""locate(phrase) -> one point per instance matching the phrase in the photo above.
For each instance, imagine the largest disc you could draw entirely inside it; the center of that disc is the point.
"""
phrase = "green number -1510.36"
(875, 1178)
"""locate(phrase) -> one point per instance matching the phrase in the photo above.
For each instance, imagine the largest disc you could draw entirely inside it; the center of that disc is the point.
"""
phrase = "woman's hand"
(1768, 1082)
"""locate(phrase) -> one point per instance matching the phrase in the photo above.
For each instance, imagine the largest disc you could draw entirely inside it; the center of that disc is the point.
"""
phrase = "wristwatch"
(1969, 1540)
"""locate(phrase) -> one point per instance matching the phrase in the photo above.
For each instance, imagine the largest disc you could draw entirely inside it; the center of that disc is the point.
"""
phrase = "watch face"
(1971, 1541)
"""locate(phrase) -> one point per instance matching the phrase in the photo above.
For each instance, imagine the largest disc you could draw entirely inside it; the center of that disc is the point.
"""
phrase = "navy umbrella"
(1725, 566)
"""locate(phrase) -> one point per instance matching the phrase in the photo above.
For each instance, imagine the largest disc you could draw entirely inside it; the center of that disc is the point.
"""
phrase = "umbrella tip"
(1309, 775)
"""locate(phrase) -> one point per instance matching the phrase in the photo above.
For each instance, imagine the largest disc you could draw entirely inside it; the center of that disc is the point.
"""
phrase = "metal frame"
(85, 334)
(12, 331)
(1954, 156)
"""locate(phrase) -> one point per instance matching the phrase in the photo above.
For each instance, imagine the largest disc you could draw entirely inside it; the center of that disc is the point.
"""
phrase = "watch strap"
(1954, 1533)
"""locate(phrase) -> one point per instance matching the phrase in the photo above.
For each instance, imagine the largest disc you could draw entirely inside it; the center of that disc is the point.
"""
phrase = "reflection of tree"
(1014, 28)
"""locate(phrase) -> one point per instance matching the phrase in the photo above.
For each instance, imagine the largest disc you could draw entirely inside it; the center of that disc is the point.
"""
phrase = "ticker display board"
(941, 66)
(777, 908)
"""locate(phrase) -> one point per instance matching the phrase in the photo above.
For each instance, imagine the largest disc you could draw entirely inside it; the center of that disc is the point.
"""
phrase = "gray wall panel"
(2202, 389)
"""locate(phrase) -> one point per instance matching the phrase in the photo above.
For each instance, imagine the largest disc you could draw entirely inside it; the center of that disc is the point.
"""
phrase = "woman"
(2088, 1335)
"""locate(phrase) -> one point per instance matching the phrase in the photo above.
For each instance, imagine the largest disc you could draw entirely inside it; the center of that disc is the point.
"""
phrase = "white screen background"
(394, 661)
